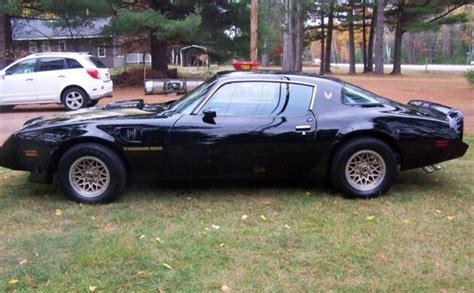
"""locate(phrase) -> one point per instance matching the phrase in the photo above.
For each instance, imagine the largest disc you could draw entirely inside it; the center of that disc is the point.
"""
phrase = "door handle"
(303, 127)
(29, 79)
(61, 76)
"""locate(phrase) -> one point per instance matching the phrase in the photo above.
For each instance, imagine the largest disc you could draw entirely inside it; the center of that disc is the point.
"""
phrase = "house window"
(101, 52)
(33, 47)
(119, 52)
(45, 46)
(62, 46)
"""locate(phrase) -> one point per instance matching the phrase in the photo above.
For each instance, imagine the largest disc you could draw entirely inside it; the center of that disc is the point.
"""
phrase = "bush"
(470, 77)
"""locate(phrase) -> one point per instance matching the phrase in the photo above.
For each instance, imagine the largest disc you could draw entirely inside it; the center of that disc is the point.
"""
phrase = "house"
(52, 35)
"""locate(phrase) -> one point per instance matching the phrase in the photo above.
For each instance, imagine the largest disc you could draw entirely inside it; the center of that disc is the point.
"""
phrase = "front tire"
(91, 173)
(364, 167)
(74, 98)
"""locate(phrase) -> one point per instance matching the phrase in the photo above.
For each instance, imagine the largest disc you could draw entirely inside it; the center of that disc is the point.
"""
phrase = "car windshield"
(188, 102)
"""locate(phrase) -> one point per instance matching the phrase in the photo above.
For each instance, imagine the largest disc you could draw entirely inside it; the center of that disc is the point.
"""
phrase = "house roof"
(27, 29)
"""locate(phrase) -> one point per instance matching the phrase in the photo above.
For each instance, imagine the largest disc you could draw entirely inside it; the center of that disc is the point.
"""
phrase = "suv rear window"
(96, 62)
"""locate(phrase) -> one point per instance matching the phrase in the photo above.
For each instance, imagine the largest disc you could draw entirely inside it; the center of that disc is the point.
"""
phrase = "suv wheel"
(91, 173)
(364, 167)
(92, 103)
(6, 108)
(74, 98)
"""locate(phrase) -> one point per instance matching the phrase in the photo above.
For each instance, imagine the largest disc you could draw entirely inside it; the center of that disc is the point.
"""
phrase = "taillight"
(441, 143)
(94, 73)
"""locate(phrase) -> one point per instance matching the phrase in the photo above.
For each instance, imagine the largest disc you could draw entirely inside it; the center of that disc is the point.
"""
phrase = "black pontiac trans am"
(240, 125)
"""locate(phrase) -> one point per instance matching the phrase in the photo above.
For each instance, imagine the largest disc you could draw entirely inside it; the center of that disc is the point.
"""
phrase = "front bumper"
(26, 157)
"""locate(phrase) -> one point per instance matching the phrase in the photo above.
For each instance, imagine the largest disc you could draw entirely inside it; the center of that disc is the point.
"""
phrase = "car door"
(17, 85)
(260, 128)
(50, 79)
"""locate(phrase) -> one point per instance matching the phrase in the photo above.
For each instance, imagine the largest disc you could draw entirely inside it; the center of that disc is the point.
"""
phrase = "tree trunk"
(327, 55)
(291, 27)
(299, 39)
(159, 54)
(370, 46)
(364, 37)
(399, 31)
(321, 57)
(397, 53)
(286, 54)
(379, 30)
(253, 30)
(6, 41)
(352, 68)
(265, 59)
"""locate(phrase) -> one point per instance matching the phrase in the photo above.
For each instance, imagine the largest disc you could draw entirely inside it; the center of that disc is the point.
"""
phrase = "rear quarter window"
(352, 95)
(73, 63)
(96, 62)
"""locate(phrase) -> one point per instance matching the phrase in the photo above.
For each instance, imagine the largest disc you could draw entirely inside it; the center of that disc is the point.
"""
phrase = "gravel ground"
(449, 90)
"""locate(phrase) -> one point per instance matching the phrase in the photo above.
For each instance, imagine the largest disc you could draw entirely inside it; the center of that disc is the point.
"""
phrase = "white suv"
(75, 80)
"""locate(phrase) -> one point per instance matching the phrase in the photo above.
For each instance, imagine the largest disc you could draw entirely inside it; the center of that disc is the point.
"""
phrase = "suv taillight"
(94, 73)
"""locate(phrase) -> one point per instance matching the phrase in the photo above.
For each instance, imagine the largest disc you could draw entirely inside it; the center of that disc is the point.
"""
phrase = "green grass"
(420, 239)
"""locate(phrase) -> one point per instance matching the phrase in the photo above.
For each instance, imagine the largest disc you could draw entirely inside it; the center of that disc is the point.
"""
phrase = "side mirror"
(209, 115)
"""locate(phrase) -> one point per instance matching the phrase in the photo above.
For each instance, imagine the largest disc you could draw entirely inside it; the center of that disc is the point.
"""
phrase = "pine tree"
(420, 15)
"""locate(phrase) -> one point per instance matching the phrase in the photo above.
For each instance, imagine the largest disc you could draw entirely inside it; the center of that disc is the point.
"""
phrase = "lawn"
(242, 236)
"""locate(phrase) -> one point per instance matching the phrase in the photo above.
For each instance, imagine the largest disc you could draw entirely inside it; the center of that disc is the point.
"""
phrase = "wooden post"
(253, 30)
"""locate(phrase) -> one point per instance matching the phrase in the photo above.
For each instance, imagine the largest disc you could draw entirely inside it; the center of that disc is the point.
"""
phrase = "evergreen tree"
(419, 15)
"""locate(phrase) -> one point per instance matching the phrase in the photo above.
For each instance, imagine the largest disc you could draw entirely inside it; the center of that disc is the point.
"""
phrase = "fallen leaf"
(370, 218)
(438, 211)
(158, 239)
(244, 217)
(59, 212)
(406, 221)
(92, 288)
(167, 266)
(23, 262)
(142, 237)
(286, 226)
(222, 245)
(355, 213)
(225, 288)
(206, 228)
(450, 218)
(307, 193)
(208, 210)
(263, 217)
(13, 281)
(215, 227)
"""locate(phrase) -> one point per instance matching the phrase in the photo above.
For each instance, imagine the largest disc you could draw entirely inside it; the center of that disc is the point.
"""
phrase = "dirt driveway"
(450, 90)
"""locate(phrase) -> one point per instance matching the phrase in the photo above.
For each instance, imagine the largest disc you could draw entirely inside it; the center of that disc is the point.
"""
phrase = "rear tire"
(74, 98)
(91, 173)
(364, 167)
(92, 103)
(6, 108)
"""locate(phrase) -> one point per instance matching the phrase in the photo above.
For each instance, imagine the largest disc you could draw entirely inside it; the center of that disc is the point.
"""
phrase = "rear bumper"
(425, 154)
(102, 91)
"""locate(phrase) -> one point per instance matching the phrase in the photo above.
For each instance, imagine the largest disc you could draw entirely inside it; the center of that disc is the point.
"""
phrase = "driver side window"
(262, 99)
(27, 66)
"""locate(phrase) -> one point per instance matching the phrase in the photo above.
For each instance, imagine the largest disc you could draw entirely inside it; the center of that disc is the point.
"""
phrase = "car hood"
(87, 115)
